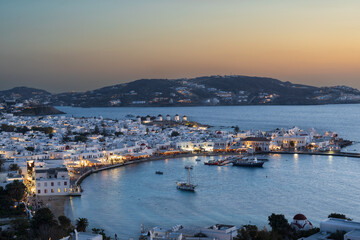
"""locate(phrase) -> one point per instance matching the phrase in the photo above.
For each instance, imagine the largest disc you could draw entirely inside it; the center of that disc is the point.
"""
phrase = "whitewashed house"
(51, 181)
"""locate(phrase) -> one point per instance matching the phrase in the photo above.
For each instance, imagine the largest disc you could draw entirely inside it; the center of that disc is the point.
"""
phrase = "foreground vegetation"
(42, 226)
(281, 230)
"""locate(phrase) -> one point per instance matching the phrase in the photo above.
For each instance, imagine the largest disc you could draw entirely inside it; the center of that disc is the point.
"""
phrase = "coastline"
(156, 158)
(178, 157)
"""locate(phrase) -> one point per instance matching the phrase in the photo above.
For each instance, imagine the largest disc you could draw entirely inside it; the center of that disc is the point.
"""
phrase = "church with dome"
(300, 223)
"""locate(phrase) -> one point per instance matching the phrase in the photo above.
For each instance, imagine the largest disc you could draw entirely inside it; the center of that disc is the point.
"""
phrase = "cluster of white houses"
(160, 118)
(350, 229)
(55, 143)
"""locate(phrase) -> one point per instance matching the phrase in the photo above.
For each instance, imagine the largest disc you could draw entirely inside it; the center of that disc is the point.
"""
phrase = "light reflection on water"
(119, 200)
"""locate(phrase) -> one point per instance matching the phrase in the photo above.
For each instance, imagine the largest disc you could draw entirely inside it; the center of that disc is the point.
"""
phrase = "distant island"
(37, 110)
(200, 91)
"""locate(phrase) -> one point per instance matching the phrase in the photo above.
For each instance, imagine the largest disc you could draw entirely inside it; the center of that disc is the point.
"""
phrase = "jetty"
(337, 154)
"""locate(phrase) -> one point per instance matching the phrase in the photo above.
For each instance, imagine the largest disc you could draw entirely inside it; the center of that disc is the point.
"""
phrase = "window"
(52, 190)
(45, 184)
(65, 189)
(59, 190)
(39, 184)
(45, 191)
(39, 191)
(58, 183)
(52, 183)
(65, 183)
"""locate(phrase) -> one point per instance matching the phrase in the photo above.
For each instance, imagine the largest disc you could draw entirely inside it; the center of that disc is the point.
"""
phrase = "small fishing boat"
(198, 160)
(159, 172)
(189, 167)
(214, 162)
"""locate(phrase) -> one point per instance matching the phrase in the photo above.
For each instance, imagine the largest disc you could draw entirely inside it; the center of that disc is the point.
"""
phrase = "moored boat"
(214, 162)
(248, 162)
(159, 172)
(189, 167)
(186, 186)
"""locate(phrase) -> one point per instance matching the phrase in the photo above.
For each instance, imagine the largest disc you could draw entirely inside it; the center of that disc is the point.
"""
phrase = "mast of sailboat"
(189, 175)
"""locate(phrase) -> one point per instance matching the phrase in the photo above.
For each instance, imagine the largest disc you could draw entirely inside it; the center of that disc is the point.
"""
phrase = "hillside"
(24, 93)
(210, 90)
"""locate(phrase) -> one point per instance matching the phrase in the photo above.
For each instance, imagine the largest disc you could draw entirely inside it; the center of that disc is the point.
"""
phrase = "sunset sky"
(67, 45)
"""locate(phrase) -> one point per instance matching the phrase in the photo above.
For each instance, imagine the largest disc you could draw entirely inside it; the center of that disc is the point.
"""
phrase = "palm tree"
(81, 224)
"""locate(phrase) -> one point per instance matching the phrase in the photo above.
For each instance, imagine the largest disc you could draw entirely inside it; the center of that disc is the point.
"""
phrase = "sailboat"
(186, 186)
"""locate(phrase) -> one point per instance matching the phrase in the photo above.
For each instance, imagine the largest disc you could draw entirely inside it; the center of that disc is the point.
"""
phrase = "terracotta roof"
(299, 217)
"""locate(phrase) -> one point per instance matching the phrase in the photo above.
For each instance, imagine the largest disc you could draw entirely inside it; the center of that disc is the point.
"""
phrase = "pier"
(337, 154)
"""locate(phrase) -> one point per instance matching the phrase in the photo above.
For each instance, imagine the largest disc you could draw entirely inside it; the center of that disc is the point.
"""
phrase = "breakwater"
(337, 154)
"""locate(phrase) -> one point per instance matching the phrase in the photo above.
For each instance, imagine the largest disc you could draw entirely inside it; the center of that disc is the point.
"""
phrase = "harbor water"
(122, 199)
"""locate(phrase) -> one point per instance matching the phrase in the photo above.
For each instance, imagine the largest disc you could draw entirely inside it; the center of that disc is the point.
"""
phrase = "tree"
(16, 190)
(46, 130)
(96, 130)
(21, 228)
(2, 161)
(339, 216)
(338, 235)
(43, 216)
(82, 224)
(175, 134)
(14, 167)
(279, 224)
(65, 223)
(22, 130)
(101, 232)
(31, 149)
(118, 134)
(236, 129)
(7, 128)
(66, 139)
(5, 203)
(306, 233)
(80, 138)
(45, 226)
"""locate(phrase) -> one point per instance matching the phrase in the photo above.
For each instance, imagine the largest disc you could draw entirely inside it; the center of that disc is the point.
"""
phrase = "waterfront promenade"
(79, 180)
(337, 154)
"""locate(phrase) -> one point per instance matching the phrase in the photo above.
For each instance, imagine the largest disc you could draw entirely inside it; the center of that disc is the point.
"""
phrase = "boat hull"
(186, 189)
(247, 164)
(186, 186)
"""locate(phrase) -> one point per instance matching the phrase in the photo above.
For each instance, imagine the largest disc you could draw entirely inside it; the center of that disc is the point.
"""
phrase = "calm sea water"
(120, 200)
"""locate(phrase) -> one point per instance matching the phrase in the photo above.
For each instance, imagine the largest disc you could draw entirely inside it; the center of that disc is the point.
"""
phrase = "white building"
(332, 225)
(290, 142)
(301, 223)
(258, 144)
(177, 118)
(215, 232)
(51, 181)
